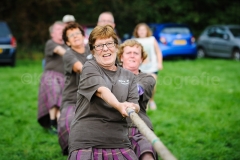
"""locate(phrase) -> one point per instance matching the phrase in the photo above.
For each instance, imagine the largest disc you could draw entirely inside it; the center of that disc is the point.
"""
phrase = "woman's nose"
(105, 48)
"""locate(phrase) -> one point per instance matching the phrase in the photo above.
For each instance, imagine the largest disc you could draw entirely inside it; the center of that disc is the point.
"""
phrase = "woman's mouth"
(106, 55)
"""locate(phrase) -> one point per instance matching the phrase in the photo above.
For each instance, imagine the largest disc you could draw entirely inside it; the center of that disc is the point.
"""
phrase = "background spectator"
(153, 63)
(52, 80)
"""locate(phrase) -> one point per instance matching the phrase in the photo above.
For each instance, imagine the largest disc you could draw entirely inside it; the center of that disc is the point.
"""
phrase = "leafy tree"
(31, 19)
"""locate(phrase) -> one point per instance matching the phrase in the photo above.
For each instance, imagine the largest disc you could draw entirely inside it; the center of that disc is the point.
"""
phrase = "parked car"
(175, 39)
(220, 41)
(8, 45)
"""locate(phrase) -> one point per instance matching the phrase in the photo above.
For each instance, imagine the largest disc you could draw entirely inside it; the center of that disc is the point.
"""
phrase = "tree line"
(29, 20)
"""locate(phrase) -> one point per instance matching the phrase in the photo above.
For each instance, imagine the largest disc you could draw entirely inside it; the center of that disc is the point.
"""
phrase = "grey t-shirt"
(54, 61)
(147, 82)
(97, 124)
(72, 78)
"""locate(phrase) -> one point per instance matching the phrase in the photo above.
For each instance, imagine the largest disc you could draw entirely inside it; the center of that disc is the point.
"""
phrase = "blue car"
(8, 45)
(174, 39)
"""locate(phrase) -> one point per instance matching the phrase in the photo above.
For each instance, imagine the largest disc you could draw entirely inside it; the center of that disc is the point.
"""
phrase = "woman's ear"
(68, 43)
(121, 59)
(93, 54)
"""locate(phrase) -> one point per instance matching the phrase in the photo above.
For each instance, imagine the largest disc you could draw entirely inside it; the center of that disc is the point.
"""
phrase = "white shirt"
(150, 64)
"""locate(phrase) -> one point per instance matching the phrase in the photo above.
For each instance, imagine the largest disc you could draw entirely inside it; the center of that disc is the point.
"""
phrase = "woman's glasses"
(74, 34)
(99, 47)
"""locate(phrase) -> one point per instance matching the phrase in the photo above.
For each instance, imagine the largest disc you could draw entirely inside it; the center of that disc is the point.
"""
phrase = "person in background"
(99, 128)
(107, 18)
(52, 80)
(131, 54)
(154, 62)
(68, 18)
(75, 57)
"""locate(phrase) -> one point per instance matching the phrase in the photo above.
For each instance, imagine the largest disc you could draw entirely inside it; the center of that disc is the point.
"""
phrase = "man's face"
(106, 19)
(57, 33)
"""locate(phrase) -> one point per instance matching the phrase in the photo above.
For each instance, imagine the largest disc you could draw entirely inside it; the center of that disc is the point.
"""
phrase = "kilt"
(140, 144)
(64, 122)
(49, 95)
(103, 154)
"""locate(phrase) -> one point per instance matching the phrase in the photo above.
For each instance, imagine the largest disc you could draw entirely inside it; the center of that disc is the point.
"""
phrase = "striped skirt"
(64, 122)
(103, 154)
(49, 95)
(140, 144)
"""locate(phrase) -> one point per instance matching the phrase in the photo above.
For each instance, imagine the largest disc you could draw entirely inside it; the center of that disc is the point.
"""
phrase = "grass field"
(198, 114)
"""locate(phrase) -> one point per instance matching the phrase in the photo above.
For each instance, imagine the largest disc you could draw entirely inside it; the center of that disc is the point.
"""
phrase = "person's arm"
(59, 50)
(77, 67)
(148, 83)
(71, 63)
(159, 54)
(134, 106)
(108, 97)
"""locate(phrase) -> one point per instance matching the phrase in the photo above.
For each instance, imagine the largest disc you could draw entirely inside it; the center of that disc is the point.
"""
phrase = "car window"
(217, 32)
(176, 30)
(211, 32)
(153, 28)
(220, 32)
(235, 32)
(4, 30)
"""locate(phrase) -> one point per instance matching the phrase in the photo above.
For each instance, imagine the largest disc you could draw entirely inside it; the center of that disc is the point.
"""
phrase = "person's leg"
(58, 114)
(53, 112)
(152, 104)
(147, 156)
(141, 146)
(53, 119)
(64, 123)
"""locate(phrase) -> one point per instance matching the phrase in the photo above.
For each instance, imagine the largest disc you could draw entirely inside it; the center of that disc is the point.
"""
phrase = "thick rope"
(159, 147)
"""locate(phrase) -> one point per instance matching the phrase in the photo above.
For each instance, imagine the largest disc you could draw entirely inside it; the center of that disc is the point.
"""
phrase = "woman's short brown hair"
(131, 43)
(69, 26)
(102, 32)
(149, 31)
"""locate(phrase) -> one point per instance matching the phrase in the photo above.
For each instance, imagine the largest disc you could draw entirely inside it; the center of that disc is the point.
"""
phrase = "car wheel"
(201, 53)
(236, 55)
(13, 62)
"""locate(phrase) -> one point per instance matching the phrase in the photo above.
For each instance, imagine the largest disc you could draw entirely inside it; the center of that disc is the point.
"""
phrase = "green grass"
(198, 115)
